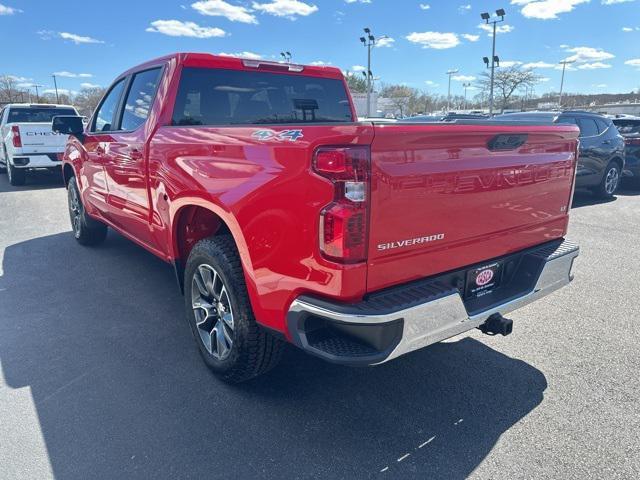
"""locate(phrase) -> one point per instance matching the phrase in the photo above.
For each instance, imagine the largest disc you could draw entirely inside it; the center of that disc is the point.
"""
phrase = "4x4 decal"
(282, 136)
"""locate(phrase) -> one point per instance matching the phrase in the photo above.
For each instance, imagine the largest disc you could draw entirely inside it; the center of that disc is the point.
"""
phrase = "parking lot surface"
(100, 378)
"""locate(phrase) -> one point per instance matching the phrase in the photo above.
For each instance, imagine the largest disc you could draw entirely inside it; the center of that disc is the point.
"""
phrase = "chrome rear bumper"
(382, 328)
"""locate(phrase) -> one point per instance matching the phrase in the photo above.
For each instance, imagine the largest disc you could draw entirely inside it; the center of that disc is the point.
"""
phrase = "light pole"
(465, 85)
(369, 42)
(37, 94)
(55, 84)
(450, 73)
(286, 56)
(486, 17)
(564, 64)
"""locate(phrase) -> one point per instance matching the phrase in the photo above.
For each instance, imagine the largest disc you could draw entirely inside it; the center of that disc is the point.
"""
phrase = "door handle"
(100, 150)
(606, 142)
(135, 154)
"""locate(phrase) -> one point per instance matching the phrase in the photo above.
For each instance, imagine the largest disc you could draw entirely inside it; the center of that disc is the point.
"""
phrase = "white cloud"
(359, 68)
(587, 54)
(613, 2)
(89, 85)
(220, 8)
(17, 78)
(248, 55)
(435, 40)
(471, 38)
(510, 63)
(66, 74)
(320, 63)
(385, 42)
(176, 28)
(538, 65)
(357, 1)
(4, 10)
(61, 91)
(634, 62)
(463, 78)
(593, 66)
(286, 8)
(462, 9)
(425, 6)
(627, 29)
(499, 28)
(546, 9)
(431, 83)
(78, 39)
(600, 85)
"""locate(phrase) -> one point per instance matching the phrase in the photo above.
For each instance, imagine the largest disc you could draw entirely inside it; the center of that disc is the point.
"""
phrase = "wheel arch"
(194, 220)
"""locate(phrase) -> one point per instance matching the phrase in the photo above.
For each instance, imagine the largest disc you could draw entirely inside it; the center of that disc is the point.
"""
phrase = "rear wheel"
(86, 230)
(217, 306)
(610, 181)
(17, 176)
(3, 166)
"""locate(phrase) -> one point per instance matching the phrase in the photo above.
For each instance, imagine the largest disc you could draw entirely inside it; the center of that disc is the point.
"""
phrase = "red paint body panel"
(442, 180)
(426, 179)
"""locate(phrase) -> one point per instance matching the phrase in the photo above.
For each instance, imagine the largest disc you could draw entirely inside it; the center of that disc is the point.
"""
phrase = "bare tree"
(8, 89)
(506, 82)
(402, 98)
(87, 100)
(356, 83)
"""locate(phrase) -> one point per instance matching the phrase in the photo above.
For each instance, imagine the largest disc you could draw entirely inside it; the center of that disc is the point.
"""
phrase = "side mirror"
(68, 125)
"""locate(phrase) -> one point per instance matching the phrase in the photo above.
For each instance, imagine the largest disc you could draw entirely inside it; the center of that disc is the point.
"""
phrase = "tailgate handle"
(507, 141)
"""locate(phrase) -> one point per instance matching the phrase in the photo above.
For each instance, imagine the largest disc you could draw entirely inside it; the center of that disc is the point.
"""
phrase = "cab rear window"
(228, 97)
(36, 115)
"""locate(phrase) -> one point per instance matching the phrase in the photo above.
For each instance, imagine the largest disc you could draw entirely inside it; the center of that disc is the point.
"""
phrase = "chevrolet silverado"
(288, 220)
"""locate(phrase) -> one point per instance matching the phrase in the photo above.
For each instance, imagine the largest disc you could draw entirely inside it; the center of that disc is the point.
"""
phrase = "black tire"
(611, 174)
(3, 167)
(17, 176)
(253, 350)
(86, 230)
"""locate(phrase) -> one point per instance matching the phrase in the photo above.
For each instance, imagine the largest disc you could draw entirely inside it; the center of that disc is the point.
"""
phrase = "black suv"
(602, 155)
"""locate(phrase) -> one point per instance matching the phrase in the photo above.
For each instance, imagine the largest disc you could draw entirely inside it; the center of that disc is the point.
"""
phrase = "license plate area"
(483, 280)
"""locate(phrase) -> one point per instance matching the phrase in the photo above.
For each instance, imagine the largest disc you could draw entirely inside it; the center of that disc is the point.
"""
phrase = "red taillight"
(632, 141)
(17, 141)
(343, 223)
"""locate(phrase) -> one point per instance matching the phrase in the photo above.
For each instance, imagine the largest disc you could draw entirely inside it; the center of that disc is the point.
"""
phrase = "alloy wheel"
(75, 210)
(612, 180)
(213, 312)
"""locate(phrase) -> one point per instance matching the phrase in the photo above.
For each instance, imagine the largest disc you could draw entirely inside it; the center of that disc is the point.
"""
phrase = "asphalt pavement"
(100, 378)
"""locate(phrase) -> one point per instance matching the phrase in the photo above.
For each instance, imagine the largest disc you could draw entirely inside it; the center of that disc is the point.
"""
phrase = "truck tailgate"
(39, 138)
(448, 196)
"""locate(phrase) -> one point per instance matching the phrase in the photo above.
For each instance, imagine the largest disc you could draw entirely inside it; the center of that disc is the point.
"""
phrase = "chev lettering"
(39, 134)
(410, 242)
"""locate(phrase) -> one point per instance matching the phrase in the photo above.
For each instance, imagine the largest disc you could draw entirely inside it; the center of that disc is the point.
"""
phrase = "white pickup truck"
(26, 139)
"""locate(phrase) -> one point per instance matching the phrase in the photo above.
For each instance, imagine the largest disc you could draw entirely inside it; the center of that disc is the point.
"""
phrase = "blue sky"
(92, 42)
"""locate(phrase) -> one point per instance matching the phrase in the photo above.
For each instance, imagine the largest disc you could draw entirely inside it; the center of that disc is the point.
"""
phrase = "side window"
(105, 116)
(588, 127)
(140, 99)
(602, 125)
(570, 120)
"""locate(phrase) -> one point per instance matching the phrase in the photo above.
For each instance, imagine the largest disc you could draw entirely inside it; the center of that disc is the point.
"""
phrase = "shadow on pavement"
(120, 391)
(583, 198)
(36, 180)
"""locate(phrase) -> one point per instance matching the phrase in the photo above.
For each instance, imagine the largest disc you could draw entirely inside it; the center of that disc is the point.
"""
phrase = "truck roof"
(38, 105)
(207, 60)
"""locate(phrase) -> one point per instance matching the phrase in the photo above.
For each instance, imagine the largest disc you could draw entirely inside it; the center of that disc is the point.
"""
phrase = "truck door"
(125, 159)
(94, 185)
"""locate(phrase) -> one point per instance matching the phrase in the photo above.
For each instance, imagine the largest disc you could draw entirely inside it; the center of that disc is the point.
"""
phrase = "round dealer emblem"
(484, 277)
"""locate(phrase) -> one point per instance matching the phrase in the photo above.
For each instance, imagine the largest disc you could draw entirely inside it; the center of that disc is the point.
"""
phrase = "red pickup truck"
(287, 219)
